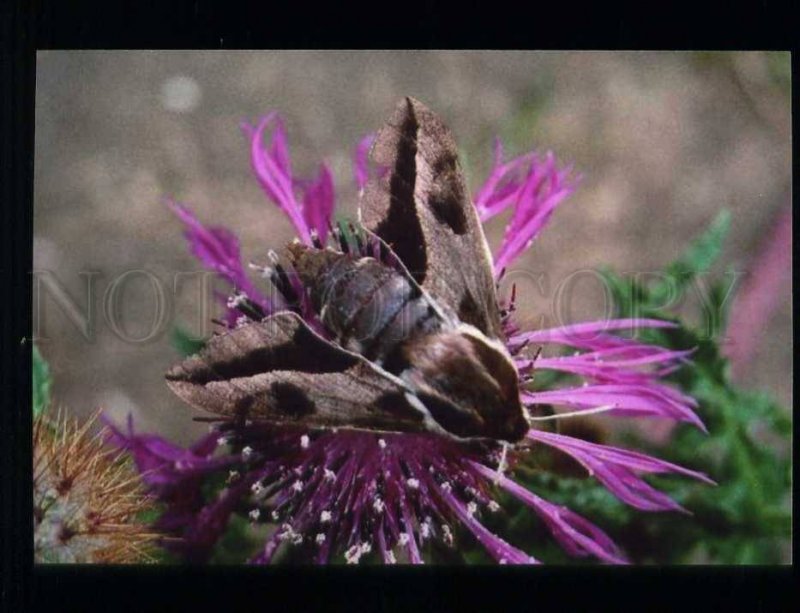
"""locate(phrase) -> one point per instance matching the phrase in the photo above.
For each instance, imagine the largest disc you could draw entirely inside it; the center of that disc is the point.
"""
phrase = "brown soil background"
(663, 141)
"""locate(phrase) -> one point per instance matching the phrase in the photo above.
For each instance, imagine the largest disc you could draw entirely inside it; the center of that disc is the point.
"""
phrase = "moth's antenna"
(603, 409)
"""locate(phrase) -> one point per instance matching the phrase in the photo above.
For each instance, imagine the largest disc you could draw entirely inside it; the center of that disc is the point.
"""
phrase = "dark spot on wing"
(291, 400)
(446, 197)
(304, 352)
(470, 312)
(401, 227)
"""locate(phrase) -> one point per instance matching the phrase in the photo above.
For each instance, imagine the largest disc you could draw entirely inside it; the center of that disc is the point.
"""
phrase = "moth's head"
(468, 383)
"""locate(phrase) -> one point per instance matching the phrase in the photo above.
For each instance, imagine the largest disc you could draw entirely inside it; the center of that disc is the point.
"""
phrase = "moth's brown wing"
(279, 370)
(421, 207)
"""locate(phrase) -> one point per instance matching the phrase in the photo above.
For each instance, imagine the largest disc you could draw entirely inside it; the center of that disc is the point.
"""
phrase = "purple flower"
(532, 186)
(760, 295)
(353, 495)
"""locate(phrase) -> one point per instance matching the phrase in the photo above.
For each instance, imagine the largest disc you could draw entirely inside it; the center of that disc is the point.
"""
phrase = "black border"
(59, 24)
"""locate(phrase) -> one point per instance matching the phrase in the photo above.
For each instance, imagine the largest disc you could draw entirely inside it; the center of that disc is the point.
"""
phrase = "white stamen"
(330, 475)
(472, 508)
(447, 487)
(288, 534)
(265, 271)
(413, 483)
(493, 506)
(254, 514)
(378, 505)
(403, 539)
(222, 441)
(447, 534)
(247, 452)
(274, 515)
(257, 488)
(297, 486)
(325, 517)
(390, 559)
(304, 441)
(320, 538)
(236, 300)
(381, 443)
(233, 475)
(353, 555)
(242, 320)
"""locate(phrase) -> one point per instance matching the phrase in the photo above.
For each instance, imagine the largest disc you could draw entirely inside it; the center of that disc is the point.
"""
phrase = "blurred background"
(663, 142)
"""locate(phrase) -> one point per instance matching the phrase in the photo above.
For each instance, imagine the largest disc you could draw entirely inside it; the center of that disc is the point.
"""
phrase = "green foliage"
(238, 543)
(184, 343)
(745, 519)
(41, 382)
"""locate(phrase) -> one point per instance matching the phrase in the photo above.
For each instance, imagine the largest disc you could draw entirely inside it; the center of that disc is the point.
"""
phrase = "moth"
(415, 338)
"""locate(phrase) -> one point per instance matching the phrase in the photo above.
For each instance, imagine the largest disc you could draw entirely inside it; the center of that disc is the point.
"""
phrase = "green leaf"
(702, 253)
(41, 383)
(239, 542)
(184, 343)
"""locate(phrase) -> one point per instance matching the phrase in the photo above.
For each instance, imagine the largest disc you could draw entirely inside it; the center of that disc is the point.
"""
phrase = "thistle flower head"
(86, 498)
(350, 496)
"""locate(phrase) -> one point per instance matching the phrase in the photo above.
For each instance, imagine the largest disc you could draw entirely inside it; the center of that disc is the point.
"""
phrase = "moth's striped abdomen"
(370, 307)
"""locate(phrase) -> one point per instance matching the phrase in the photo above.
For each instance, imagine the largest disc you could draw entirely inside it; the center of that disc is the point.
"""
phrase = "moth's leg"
(315, 240)
(503, 463)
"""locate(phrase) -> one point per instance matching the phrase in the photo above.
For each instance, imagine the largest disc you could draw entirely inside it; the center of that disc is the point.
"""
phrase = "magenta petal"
(636, 400)
(361, 160)
(753, 306)
(162, 463)
(318, 202)
(206, 526)
(273, 171)
(217, 249)
(533, 187)
(576, 534)
(590, 335)
(612, 365)
(617, 469)
(497, 547)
